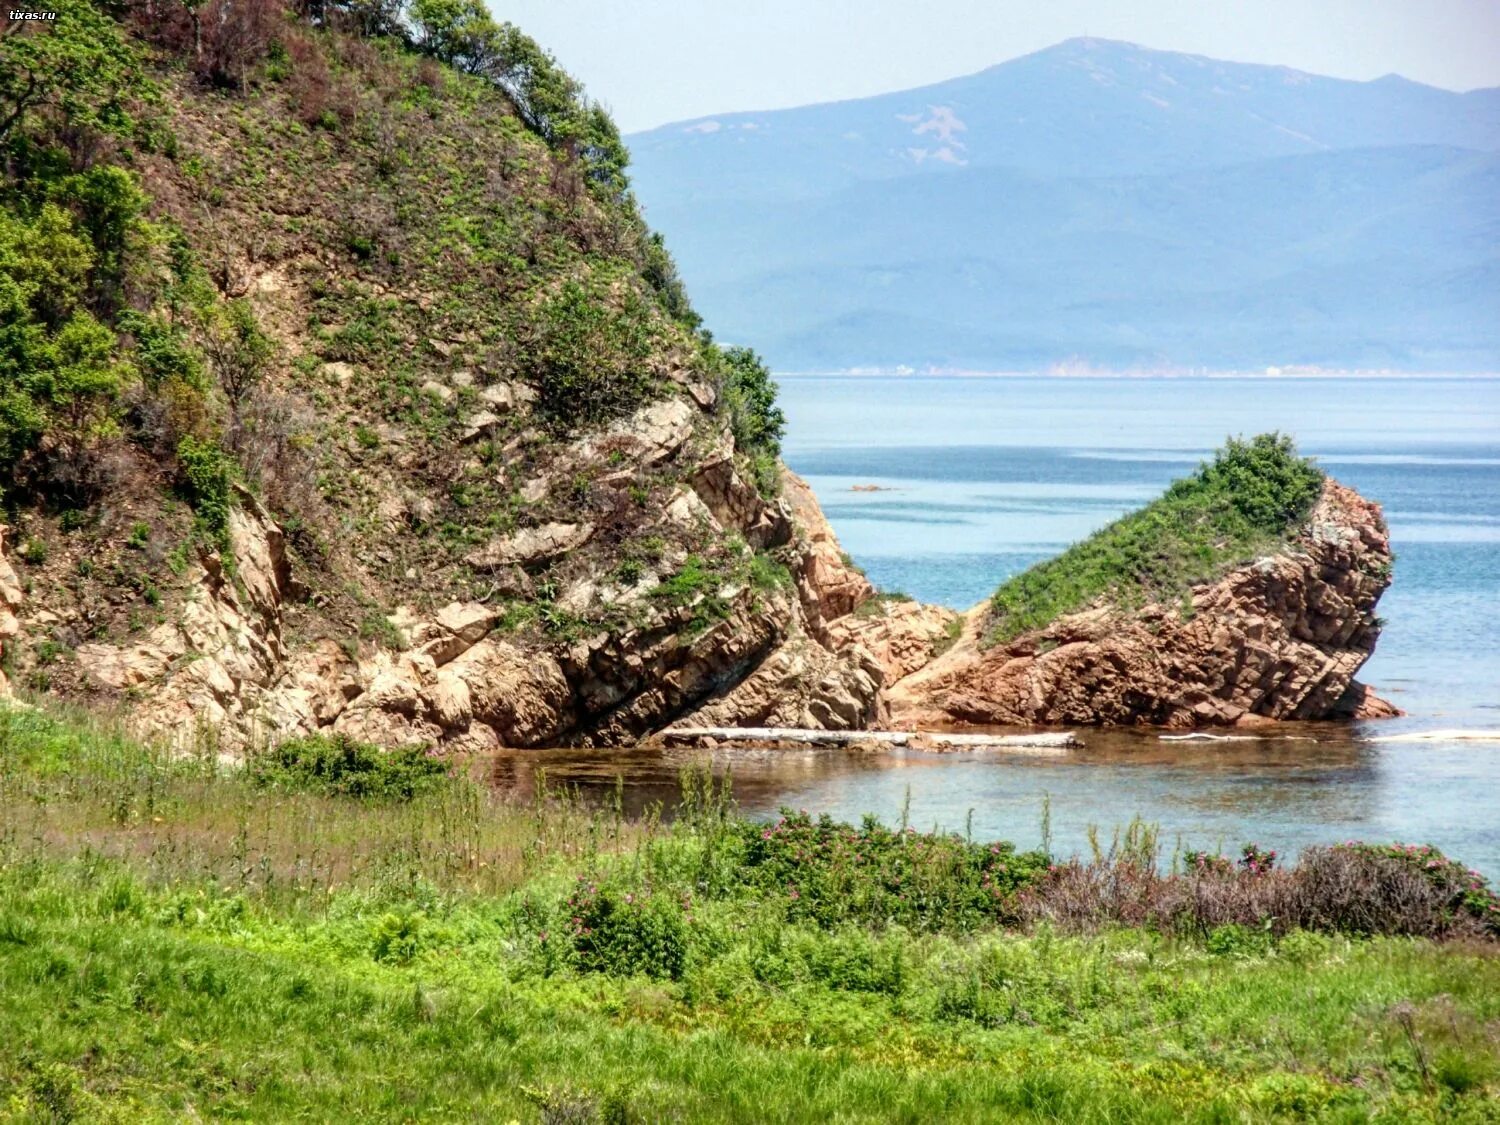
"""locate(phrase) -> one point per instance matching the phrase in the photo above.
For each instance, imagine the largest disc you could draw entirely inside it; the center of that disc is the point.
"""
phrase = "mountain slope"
(1381, 257)
(342, 388)
(1260, 216)
(1084, 107)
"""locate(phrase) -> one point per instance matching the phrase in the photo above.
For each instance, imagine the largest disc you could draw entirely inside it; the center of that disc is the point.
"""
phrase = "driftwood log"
(1056, 740)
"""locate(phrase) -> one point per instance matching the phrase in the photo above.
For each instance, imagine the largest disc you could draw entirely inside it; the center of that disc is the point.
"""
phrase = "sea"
(977, 478)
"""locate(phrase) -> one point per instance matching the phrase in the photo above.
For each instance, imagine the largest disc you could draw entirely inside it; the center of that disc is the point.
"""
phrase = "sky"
(655, 61)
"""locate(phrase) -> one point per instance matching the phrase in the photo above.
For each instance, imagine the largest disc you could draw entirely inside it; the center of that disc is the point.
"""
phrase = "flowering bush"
(1255, 860)
(1467, 891)
(627, 932)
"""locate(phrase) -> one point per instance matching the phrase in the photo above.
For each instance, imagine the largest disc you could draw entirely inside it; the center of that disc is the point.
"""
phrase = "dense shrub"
(623, 932)
(832, 873)
(749, 396)
(1360, 889)
(76, 71)
(207, 473)
(59, 375)
(339, 766)
(589, 354)
(1247, 500)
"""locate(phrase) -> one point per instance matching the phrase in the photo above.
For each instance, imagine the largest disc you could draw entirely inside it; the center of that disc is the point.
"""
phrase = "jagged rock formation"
(225, 665)
(1277, 638)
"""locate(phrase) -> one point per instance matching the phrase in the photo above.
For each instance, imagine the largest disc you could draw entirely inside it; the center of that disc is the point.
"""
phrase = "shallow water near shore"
(980, 477)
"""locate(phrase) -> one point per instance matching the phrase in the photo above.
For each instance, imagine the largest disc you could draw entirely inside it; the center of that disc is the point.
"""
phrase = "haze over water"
(989, 475)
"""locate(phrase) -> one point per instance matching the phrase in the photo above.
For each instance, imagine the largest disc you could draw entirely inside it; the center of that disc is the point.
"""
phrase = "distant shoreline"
(1280, 377)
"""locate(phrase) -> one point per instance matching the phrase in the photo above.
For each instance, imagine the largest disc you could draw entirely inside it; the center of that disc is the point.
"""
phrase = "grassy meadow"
(330, 936)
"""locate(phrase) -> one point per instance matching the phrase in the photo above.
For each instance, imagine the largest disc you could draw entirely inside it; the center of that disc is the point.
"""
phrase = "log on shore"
(1058, 740)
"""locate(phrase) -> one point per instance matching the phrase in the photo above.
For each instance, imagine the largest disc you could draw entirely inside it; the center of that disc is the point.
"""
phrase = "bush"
(623, 933)
(1250, 498)
(589, 354)
(237, 347)
(206, 475)
(748, 394)
(338, 766)
(1359, 889)
(60, 377)
(831, 873)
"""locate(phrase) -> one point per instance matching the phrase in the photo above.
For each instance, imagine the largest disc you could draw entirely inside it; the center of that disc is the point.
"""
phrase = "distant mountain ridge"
(1096, 202)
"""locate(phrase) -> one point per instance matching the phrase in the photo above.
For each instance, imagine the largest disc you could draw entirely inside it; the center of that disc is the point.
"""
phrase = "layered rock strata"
(224, 665)
(1277, 638)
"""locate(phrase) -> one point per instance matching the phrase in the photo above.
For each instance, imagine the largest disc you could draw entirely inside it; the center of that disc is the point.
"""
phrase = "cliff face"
(1277, 638)
(738, 651)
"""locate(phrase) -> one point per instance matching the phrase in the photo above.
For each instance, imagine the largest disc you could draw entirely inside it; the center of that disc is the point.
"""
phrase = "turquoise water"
(986, 476)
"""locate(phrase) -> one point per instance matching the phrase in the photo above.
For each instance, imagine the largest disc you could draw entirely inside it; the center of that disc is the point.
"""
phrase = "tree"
(77, 66)
(750, 395)
(457, 32)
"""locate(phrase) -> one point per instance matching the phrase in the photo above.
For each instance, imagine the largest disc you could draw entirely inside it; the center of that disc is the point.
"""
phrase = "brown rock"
(1277, 638)
(530, 545)
(830, 585)
(901, 636)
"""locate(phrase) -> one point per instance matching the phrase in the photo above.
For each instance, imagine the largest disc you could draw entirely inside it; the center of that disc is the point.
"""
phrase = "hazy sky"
(653, 61)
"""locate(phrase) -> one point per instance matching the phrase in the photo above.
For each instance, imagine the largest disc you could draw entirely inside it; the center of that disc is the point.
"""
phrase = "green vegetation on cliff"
(1247, 501)
(373, 266)
(177, 941)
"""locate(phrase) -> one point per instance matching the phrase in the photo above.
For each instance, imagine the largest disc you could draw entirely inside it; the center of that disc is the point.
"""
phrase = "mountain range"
(1096, 203)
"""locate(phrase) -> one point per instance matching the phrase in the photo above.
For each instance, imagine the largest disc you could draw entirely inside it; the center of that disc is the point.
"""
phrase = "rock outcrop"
(1277, 638)
(457, 680)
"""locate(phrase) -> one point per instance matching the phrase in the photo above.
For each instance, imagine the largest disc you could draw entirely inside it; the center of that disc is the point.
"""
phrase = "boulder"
(530, 546)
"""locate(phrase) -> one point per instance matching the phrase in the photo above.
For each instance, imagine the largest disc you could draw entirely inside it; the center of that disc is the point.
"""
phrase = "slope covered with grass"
(1249, 500)
(372, 268)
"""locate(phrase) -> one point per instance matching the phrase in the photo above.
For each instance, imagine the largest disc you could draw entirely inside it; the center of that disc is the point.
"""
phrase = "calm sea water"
(986, 476)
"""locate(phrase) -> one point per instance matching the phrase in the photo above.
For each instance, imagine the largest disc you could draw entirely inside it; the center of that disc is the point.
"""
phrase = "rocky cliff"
(345, 389)
(1278, 637)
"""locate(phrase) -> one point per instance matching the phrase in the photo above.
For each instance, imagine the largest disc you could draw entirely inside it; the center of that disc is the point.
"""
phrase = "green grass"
(1248, 501)
(177, 941)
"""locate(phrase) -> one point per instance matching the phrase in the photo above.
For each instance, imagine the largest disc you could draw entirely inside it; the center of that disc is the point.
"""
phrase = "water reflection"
(1303, 785)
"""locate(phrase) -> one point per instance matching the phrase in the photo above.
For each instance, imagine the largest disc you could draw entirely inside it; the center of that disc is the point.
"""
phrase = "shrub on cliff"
(588, 354)
(1248, 500)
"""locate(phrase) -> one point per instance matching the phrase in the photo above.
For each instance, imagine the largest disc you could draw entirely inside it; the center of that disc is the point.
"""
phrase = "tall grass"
(177, 940)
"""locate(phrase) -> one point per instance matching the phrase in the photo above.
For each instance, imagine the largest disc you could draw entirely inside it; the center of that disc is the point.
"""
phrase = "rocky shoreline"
(1278, 638)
